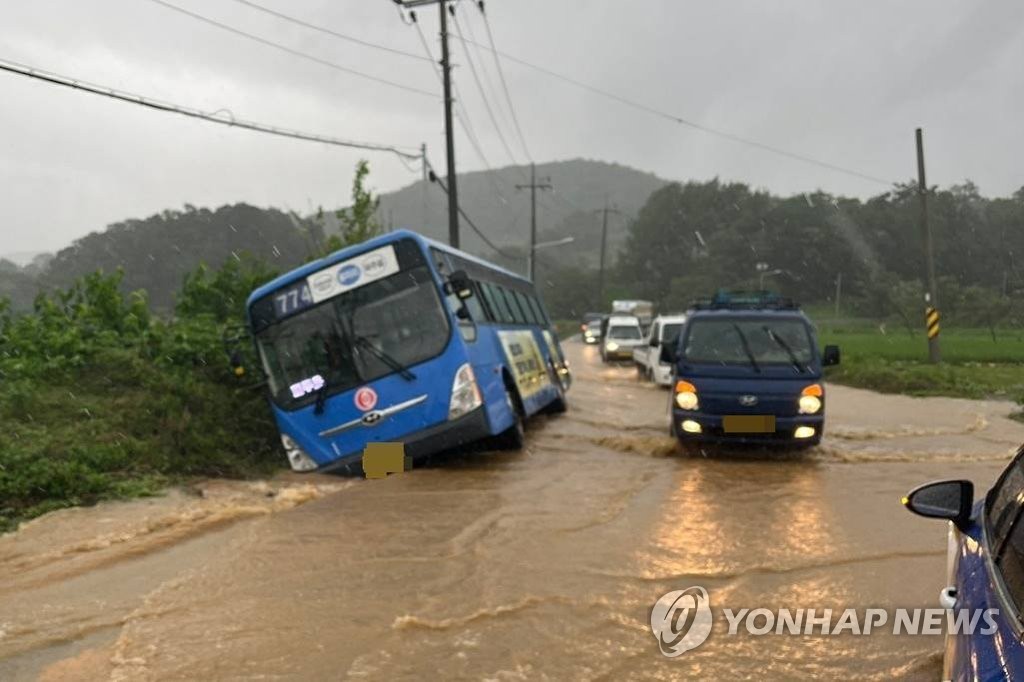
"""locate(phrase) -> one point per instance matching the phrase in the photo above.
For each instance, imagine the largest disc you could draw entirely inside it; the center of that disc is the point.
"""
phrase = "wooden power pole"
(931, 298)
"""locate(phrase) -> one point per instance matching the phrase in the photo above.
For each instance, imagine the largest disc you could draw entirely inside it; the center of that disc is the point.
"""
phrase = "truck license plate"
(749, 423)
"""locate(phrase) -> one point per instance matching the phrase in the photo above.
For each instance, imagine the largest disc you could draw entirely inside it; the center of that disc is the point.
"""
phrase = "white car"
(664, 329)
(620, 335)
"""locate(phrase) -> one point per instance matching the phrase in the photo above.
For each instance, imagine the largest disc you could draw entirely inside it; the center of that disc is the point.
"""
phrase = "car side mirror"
(830, 356)
(668, 354)
(458, 283)
(951, 500)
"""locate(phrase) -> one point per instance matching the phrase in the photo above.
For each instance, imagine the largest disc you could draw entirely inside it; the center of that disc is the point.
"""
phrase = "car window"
(1004, 515)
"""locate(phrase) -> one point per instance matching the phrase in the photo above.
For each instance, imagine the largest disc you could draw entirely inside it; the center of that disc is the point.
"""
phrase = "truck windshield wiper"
(784, 346)
(746, 348)
(395, 365)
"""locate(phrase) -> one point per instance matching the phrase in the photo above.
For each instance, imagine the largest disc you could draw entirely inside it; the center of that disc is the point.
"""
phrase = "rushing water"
(541, 564)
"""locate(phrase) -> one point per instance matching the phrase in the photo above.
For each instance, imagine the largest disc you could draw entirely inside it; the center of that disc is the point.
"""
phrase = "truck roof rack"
(745, 300)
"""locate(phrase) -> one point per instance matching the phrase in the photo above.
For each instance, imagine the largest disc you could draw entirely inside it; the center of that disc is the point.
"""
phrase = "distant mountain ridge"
(157, 251)
(580, 188)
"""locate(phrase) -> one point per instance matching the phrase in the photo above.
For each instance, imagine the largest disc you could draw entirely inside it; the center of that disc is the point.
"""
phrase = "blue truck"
(746, 368)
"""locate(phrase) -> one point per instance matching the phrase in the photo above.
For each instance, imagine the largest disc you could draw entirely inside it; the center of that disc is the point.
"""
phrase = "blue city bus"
(403, 339)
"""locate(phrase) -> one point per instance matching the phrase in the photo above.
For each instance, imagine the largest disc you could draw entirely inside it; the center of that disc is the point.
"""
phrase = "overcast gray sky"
(841, 81)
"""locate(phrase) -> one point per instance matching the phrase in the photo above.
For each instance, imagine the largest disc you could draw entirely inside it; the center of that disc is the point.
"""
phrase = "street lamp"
(544, 245)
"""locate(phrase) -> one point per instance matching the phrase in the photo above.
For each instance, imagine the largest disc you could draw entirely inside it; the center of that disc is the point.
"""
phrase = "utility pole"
(839, 291)
(449, 132)
(534, 186)
(931, 299)
(604, 241)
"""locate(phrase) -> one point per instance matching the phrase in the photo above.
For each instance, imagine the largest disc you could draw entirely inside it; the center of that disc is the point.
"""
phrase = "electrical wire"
(483, 93)
(691, 124)
(321, 29)
(292, 51)
(120, 95)
(469, 221)
(498, 54)
(462, 115)
(504, 83)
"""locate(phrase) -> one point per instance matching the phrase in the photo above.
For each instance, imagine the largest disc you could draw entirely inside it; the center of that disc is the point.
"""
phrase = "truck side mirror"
(830, 356)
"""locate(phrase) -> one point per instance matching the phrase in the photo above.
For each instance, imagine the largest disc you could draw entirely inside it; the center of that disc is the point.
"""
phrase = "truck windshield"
(768, 341)
(624, 332)
(354, 338)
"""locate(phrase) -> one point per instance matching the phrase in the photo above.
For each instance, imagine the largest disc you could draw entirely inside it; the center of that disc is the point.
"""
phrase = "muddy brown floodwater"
(541, 564)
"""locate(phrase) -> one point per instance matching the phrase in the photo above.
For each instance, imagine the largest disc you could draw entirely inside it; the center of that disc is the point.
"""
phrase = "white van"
(664, 329)
(621, 335)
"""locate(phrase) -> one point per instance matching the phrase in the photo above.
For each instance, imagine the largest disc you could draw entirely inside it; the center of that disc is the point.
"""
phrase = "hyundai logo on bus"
(365, 398)
(349, 275)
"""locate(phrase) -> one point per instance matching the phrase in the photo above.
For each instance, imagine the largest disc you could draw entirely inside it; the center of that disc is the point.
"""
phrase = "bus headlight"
(465, 393)
(810, 399)
(297, 457)
(686, 396)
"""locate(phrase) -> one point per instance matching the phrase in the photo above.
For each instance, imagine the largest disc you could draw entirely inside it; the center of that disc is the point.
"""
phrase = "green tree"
(358, 221)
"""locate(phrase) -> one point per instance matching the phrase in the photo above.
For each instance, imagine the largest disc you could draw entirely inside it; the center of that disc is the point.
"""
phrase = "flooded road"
(540, 564)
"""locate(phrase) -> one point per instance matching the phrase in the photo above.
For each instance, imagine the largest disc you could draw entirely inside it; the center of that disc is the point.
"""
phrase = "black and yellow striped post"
(931, 318)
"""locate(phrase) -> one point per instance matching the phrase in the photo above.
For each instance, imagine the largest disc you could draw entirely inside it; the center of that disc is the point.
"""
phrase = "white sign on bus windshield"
(352, 273)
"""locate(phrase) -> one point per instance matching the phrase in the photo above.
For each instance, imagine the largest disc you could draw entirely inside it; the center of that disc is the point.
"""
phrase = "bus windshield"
(354, 338)
(748, 341)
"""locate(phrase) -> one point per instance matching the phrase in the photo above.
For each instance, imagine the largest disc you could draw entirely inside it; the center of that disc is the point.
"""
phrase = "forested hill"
(156, 252)
(502, 212)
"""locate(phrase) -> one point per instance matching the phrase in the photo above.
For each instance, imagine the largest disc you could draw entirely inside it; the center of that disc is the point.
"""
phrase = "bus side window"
(527, 310)
(497, 302)
(475, 305)
(539, 311)
(485, 304)
(517, 314)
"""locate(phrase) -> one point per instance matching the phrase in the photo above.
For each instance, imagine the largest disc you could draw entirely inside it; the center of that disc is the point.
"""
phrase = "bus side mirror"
(830, 356)
(458, 283)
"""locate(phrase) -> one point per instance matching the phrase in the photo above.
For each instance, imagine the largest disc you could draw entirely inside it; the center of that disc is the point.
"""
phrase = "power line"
(292, 51)
(483, 94)
(461, 114)
(504, 84)
(321, 29)
(468, 220)
(674, 118)
(131, 98)
(691, 124)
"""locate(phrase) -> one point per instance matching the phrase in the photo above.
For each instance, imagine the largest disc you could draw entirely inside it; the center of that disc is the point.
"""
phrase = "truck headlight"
(297, 457)
(465, 393)
(686, 396)
(810, 399)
